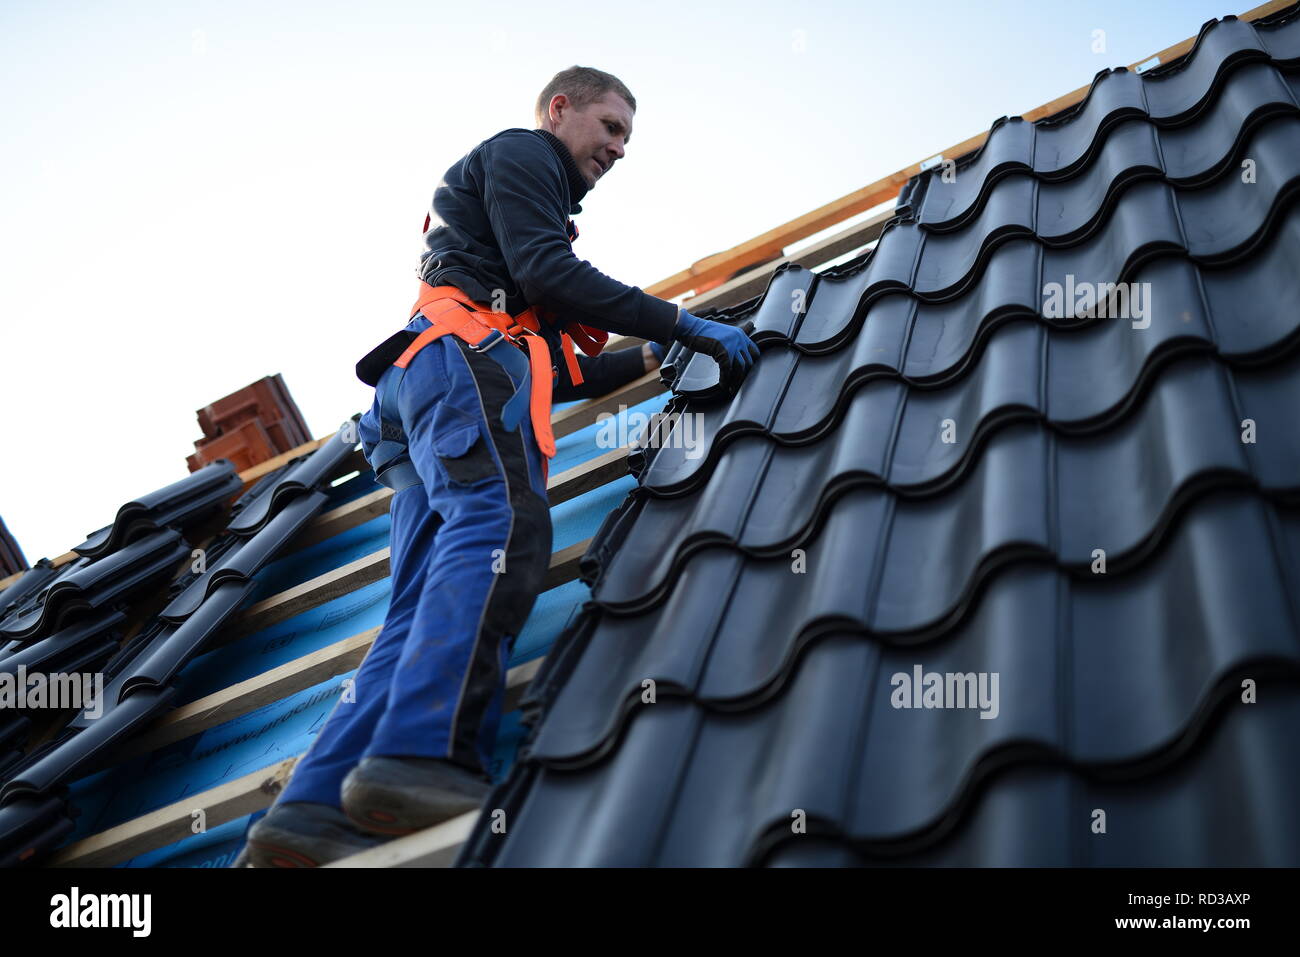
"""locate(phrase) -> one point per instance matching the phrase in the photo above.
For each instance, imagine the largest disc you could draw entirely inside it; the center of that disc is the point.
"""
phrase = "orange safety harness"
(450, 311)
(474, 323)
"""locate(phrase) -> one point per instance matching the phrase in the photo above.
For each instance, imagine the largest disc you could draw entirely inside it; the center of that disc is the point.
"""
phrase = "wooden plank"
(278, 683)
(57, 562)
(253, 792)
(518, 679)
(601, 470)
(371, 568)
(773, 242)
(348, 578)
(570, 420)
(434, 847)
(315, 591)
(752, 283)
(564, 564)
(249, 476)
(169, 824)
(617, 342)
(1183, 46)
(561, 487)
(347, 516)
(245, 696)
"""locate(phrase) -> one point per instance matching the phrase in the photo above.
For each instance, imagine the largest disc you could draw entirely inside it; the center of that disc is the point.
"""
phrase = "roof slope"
(135, 607)
(930, 471)
(268, 551)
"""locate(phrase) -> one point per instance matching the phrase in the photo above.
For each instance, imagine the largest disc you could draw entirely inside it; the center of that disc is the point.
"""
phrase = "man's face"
(596, 135)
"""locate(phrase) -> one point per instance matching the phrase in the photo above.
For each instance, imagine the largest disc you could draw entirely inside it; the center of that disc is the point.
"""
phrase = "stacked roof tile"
(250, 426)
(994, 557)
(134, 607)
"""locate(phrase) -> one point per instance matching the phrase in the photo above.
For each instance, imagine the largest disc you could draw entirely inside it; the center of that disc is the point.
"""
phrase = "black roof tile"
(778, 582)
(241, 562)
(306, 474)
(701, 788)
(1169, 96)
(1017, 488)
(80, 752)
(30, 582)
(99, 631)
(751, 620)
(31, 827)
(198, 495)
(1244, 779)
(73, 617)
(87, 585)
(1135, 148)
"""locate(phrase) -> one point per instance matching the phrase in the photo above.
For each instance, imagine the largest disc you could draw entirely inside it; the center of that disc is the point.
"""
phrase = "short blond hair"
(583, 85)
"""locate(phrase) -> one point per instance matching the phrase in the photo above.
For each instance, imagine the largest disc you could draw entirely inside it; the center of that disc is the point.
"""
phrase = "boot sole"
(265, 854)
(280, 850)
(391, 811)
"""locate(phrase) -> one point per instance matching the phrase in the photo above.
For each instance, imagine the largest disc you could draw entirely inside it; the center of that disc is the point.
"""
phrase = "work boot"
(305, 834)
(392, 796)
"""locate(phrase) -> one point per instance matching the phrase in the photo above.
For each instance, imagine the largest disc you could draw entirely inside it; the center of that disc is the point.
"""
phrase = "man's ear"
(559, 102)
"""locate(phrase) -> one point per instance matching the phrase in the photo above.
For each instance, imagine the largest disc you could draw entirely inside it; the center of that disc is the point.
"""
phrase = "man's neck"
(577, 185)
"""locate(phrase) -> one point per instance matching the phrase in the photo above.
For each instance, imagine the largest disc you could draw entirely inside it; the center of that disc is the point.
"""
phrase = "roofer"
(460, 430)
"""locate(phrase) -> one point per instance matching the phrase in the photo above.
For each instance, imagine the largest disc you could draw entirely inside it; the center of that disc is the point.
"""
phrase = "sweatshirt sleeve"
(603, 374)
(523, 194)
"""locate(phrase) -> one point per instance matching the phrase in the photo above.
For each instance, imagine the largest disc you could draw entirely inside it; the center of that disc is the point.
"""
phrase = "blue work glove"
(658, 350)
(730, 347)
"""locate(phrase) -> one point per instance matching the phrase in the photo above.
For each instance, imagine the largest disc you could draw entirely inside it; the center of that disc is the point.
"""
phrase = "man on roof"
(460, 430)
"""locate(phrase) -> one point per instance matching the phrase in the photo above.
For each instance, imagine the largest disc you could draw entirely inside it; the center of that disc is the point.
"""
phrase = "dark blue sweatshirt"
(500, 221)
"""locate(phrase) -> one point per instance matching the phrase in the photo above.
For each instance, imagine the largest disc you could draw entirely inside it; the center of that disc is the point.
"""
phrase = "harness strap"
(540, 402)
(399, 475)
(571, 360)
(445, 315)
(392, 444)
(442, 306)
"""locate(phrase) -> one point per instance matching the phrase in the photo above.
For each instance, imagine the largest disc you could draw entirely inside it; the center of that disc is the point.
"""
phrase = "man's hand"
(730, 347)
(652, 354)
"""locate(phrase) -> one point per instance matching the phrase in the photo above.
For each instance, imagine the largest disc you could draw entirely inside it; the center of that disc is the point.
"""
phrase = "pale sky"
(197, 195)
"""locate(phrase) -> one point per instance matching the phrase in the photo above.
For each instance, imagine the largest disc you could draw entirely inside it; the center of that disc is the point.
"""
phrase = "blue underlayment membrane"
(287, 727)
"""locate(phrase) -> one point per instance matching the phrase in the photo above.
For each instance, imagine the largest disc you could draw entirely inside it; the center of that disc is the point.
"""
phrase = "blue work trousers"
(470, 551)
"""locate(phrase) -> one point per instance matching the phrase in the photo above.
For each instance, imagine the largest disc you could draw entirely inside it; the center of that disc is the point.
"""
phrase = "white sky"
(197, 195)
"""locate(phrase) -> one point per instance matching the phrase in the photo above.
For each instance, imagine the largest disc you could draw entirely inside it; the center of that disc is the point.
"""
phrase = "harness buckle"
(487, 342)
